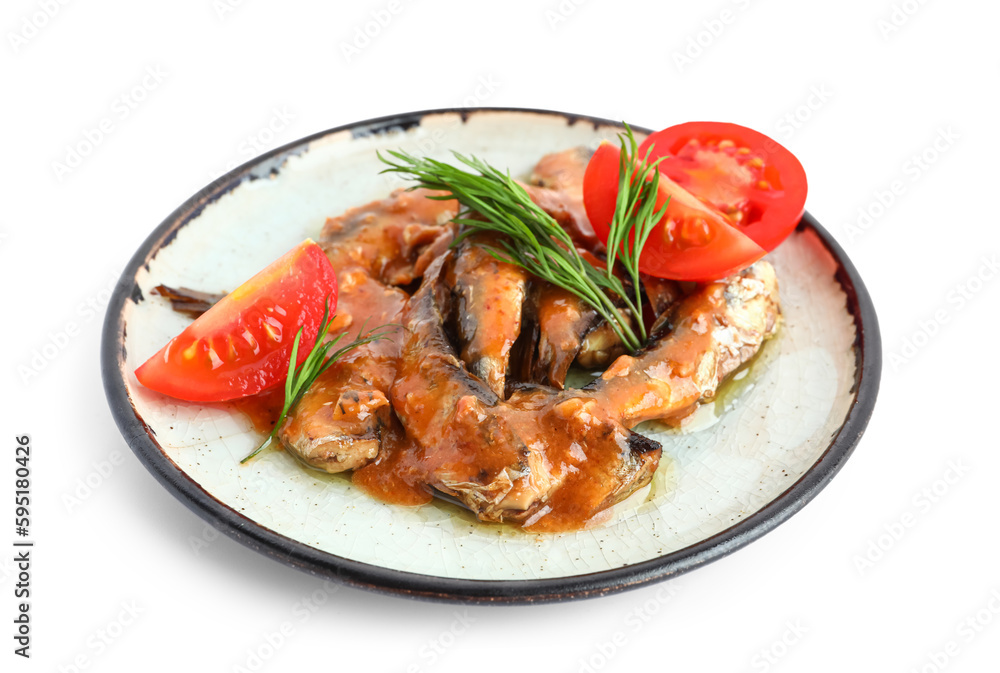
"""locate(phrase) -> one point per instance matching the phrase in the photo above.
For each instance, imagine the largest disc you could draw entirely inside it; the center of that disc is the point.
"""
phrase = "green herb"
(536, 242)
(635, 215)
(301, 378)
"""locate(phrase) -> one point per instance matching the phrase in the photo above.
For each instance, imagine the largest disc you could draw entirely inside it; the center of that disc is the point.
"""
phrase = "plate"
(766, 447)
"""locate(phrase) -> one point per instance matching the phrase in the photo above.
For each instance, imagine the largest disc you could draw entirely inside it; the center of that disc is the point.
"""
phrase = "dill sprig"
(301, 378)
(635, 214)
(536, 242)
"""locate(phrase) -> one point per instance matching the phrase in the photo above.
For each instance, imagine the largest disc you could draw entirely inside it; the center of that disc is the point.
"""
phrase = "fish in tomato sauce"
(544, 459)
(393, 239)
(694, 347)
(339, 423)
(423, 413)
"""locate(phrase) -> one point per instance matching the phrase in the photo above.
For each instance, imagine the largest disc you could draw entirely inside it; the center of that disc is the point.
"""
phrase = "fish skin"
(489, 296)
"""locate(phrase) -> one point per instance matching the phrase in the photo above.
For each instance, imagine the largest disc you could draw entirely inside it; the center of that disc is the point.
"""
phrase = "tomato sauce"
(262, 409)
(396, 476)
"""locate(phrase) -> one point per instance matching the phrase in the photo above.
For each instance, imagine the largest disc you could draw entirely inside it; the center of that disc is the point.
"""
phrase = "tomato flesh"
(755, 183)
(692, 241)
(243, 344)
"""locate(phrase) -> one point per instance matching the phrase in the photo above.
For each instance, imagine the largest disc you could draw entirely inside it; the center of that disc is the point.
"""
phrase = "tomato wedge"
(693, 241)
(243, 344)
(758, 185)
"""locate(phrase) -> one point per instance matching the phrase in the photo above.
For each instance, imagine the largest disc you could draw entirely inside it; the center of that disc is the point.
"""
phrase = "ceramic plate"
(770, 442)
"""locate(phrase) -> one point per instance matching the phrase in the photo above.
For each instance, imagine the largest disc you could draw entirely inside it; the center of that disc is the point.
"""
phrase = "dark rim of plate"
(867, 350)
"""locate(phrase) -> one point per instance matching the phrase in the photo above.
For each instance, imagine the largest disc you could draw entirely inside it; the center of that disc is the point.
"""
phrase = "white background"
(880, 572)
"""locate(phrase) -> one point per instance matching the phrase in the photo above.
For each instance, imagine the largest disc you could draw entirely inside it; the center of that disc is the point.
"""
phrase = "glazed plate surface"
(768, 444)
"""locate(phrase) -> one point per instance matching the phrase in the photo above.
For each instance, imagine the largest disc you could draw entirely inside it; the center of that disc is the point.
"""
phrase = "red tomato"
(691, 242)
(757, 184)
(243, 344)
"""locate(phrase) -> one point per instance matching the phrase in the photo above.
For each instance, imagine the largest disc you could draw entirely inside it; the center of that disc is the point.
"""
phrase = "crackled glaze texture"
(763, 434)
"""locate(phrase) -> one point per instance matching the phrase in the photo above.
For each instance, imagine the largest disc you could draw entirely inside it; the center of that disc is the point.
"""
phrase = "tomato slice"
(758, 185)
(243, 344)
(692, 242)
